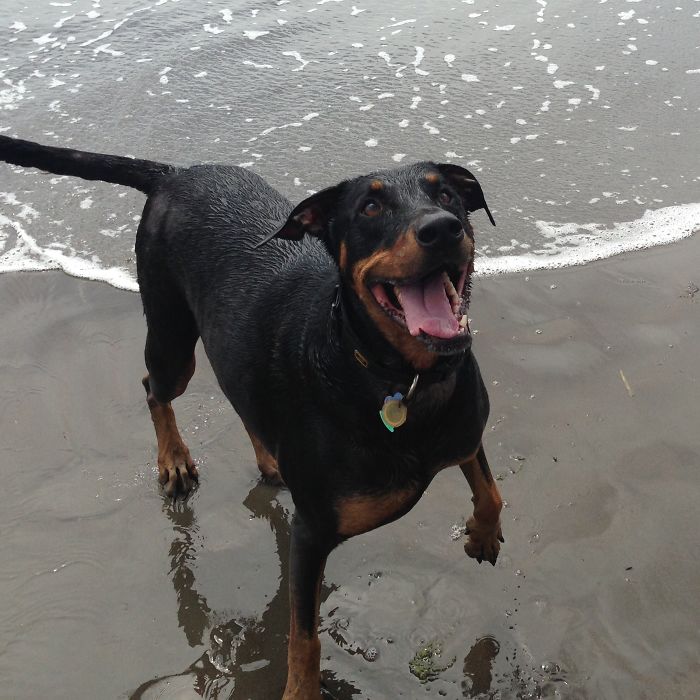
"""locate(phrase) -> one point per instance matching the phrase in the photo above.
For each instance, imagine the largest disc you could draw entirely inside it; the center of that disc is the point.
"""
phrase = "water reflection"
(478, 665)
(246, 657)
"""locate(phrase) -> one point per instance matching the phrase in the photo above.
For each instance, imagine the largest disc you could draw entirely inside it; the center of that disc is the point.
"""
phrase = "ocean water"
(579, 118)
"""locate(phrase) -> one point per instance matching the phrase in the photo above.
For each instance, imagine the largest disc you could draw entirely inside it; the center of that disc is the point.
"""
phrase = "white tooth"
(449, 287)
(463, 321)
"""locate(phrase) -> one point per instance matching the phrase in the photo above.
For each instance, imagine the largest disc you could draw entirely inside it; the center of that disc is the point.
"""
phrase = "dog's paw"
(177, 474)
(483, 542)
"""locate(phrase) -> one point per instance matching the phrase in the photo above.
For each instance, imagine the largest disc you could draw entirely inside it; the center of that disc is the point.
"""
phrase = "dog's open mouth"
(433, 307)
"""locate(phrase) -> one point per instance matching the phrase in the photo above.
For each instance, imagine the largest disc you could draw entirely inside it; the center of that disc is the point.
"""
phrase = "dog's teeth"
(449, 287)
(464, 321)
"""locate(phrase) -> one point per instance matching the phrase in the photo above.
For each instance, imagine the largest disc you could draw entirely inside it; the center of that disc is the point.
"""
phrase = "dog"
(337, 329)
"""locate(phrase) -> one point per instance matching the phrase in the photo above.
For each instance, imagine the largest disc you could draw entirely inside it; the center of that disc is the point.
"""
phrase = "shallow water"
(577, 117)
(107, 591)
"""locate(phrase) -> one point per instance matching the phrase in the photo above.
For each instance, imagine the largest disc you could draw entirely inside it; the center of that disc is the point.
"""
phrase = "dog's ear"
(467, 186)
(310, 216)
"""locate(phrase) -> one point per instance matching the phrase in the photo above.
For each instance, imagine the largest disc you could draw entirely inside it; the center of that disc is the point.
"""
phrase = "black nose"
(439, 227)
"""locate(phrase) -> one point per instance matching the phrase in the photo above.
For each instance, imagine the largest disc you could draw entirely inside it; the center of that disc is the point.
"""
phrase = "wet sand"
(109, 592)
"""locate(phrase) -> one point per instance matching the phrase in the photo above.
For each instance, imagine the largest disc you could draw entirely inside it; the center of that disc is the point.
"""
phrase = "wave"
(569, 244)
(566, 245)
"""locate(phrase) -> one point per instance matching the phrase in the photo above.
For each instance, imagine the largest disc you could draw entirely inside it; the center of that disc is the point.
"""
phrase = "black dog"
(342, 342)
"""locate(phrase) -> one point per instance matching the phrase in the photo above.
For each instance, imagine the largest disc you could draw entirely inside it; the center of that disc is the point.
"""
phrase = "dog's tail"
(131, 172)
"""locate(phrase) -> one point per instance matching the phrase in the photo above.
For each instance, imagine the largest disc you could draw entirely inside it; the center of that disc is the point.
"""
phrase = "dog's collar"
(404, 375)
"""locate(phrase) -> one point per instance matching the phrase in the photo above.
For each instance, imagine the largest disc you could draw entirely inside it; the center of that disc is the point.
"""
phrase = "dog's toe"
(178, 479)
(483, 544)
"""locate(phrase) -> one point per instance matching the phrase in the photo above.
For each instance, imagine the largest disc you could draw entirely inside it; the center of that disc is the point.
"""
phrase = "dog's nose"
(439, 227)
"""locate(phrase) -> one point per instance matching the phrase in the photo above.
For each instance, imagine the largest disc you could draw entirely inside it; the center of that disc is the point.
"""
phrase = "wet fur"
(264, 316)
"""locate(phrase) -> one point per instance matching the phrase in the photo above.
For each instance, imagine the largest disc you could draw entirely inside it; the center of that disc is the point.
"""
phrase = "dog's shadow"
(246, 658)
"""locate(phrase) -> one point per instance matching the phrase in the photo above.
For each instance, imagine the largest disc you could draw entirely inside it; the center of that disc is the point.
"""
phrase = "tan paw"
(177, 473)
(483, 542)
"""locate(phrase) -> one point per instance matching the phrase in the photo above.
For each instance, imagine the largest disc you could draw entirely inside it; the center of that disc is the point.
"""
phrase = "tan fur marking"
(400, 261)
(376, 185)
(343, 256)
(432, 178)
(266, 462)
(303, 665)
(303, 655)
(170, 444)
(484, 526)
(172, 451)
(359, 514)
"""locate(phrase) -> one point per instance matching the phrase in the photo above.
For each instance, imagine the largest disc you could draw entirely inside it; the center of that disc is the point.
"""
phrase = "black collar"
(399, 373)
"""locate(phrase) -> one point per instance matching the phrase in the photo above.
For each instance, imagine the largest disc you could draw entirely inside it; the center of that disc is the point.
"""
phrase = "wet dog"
(338, 330)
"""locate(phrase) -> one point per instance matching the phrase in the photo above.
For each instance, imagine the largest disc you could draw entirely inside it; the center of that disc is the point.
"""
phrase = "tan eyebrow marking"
(376, 185)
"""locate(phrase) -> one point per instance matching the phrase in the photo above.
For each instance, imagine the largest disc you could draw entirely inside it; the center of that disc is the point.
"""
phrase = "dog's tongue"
(427, 308)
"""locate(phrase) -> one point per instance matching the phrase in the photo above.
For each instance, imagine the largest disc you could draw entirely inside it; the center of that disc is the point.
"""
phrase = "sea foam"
(568, 244)
(565, 244)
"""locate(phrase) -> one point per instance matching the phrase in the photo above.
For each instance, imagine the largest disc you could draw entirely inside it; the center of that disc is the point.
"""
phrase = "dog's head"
(404, 245)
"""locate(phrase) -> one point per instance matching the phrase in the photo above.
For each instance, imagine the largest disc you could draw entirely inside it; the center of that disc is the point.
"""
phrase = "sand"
(108, 591)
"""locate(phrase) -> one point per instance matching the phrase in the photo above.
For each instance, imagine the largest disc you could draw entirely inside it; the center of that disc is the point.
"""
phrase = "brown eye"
(444, 197)
(371, 208)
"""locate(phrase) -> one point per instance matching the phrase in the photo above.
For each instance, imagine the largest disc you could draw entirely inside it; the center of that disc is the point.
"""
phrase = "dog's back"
(196, 242)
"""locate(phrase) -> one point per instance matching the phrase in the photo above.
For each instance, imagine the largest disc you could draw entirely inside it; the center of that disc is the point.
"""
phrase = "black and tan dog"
(338, 331)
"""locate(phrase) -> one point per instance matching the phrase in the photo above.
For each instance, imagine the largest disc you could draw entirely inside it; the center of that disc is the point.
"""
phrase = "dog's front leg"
(306, 562)
(484, 526)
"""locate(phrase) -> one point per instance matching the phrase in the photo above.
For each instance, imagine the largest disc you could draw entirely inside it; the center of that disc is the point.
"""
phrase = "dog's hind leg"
(172, 335)
(267, 464)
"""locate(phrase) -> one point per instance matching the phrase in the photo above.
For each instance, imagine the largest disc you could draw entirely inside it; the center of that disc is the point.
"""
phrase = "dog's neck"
(371, 352)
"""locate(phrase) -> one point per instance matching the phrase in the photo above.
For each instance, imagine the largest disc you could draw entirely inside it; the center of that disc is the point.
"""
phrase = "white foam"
(576, 244)
(255, 65)
(296, 55)
(594, 90)
(253, 34)
(28, 255)
(62, 21)
(45, 39)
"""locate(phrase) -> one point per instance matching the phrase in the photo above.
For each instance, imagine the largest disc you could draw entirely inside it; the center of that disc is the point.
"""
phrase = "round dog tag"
(394, 412)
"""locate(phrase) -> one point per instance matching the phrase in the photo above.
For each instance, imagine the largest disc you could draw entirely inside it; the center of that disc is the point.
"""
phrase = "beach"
(579, 120)
(110, 591)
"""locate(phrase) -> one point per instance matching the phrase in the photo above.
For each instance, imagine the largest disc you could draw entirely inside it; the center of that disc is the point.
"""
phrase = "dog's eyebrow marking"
(432, 178)
(376, 185)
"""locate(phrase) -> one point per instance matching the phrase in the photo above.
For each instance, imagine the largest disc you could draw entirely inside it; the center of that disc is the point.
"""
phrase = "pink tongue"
(428, 309)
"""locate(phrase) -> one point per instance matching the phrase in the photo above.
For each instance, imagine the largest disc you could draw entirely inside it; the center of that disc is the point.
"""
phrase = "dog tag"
(394, 412)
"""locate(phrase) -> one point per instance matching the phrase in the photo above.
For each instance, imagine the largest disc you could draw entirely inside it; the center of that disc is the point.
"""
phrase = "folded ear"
(311, 216)
(467, 186)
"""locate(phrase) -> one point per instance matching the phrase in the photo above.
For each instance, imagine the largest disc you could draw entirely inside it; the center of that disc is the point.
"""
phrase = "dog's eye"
(371, 208)
(444, 197)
